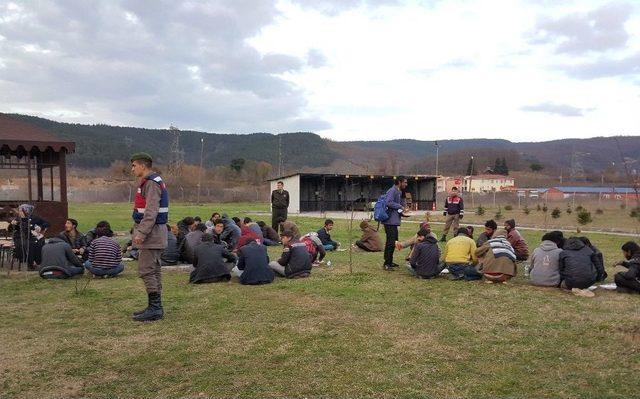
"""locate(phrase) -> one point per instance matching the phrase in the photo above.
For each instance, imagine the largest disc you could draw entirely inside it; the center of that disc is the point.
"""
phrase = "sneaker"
(395, 265)
(583, 293)
(488, 281)
(454, 277)
(388, 268)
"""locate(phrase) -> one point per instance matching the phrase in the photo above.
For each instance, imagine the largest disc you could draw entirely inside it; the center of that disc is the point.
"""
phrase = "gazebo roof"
(15, 133)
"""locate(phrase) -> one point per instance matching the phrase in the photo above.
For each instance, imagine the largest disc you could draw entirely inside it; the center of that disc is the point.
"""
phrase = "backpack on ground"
(380, 209)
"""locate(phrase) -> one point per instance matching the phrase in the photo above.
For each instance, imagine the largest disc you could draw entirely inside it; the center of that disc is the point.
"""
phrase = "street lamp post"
(200, 170)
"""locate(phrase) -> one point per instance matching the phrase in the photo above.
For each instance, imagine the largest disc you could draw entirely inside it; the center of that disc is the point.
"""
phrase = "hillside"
(100, 145)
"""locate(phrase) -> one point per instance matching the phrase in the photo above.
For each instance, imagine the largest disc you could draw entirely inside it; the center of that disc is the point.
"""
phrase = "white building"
(486, 183)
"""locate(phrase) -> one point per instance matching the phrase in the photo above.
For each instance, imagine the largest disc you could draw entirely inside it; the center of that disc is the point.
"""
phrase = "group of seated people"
(71, 252)
(571, 263)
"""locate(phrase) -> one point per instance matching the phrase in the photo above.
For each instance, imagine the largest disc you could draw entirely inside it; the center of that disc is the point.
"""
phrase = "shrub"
(538, 208)
(569, 210)
(508, 208)
(545, 208)
(599, 211)
(556, 212)
(635, 213)
(584, 217)
(480, 211)
(579, 208)
(526, 210)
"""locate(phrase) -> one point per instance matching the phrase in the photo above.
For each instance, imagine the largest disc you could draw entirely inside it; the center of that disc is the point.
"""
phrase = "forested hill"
(100, 145)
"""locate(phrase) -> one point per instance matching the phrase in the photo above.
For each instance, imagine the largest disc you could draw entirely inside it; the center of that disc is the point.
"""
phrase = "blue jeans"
(465, 270)
(74, 270)
(99, 271)
(330, 247)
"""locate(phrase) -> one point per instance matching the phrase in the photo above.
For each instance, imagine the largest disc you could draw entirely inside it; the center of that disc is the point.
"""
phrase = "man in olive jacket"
(150, 216)
(279, 206)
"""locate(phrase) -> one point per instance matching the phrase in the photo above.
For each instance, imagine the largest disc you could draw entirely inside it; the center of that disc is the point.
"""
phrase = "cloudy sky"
(347, 69)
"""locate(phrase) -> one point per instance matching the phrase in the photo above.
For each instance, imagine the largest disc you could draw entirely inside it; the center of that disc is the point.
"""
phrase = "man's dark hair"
(261, 224)
(168, 227)
(206, 237)
(236, 220)
(73, 222)
(399, 180)
(218, 221)
(188, 221)
(103, 231)
(555, 236)
(103, 223)
(462, 230)
(454, 188)
(247, 220)
(280, 182)
(491, 224)
(424, 232)
(631, 247)
(586, 241)
(213, 216)
(197, 219)
(287, 233)
(511, 222)
(328, 222)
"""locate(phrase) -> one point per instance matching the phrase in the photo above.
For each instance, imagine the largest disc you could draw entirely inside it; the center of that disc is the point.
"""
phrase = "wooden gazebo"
(24, 146)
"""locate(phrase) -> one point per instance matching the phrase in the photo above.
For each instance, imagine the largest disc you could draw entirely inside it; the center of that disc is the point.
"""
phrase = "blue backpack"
(380, 209)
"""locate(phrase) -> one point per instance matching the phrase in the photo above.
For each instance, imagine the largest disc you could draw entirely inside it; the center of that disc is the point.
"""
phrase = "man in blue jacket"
(395, 207)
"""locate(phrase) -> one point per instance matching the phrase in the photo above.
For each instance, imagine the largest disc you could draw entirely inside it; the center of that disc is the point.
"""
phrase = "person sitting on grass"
(212, 262)
(254, 227)
(295, 260)
(253, 265)
(314, 247)
(171, 254)
(370, 240)
(411, 241)
(269, 235)
(218, 229)
(598, 259)
(325, 237)
(73, 237)
(231, 233)
(247, 235)
(545, 260)
(105, 257)
(577, 270)
(459, 257)
(425, 257)
(192, 240)
(128, 250)
(629, 281)
(59, 261)
(497, 259)
(490, 226)
(291, 226)
(515, 239)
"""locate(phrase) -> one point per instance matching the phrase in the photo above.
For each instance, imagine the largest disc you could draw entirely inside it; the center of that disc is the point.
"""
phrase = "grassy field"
(335, 334)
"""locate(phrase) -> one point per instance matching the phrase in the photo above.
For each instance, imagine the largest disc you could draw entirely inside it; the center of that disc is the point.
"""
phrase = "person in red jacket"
(454, 211)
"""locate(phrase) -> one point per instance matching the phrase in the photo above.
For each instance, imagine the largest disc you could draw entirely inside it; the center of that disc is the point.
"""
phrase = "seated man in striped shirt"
(105, 257)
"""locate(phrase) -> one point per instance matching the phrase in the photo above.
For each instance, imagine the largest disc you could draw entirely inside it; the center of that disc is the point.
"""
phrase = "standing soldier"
(150, 215)
(454, 211)
(279, 206)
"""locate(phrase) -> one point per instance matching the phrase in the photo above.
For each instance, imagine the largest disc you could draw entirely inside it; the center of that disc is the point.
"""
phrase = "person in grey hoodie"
(425, 257)
(545, 261)
(57, 253)
(577, 269)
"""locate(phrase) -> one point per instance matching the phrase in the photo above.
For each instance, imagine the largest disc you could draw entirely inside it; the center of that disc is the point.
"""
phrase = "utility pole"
(200, 170)
(279, 156)
(437, 153)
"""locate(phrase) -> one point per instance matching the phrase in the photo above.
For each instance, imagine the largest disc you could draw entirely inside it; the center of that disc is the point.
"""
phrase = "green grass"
(335, 334)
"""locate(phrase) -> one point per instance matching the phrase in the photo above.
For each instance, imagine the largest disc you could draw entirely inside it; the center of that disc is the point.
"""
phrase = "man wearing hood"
(496, 258)
(231, 232)
(370, 240)
(577, 270)
(425, 257)
(545, 260)
(629, 281)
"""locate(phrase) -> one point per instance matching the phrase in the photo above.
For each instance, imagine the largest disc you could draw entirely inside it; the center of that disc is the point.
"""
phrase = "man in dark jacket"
(295, 260)
(58, 253)
(598, 259)
(325, 237)
(209, 262)
(629, 281)
(395, 208)
(231, 233)
(74, 238)
(27, 231)
(279, 205)
(171, 254)
(425, 257)
(453, 211)
(253, 265)
(490, 226)
(577, 270)
(191, 241)
(270, 236)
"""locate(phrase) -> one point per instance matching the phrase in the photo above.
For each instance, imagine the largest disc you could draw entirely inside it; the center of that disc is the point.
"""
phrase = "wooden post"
(39, 177)
(29, 176)
(63, 176)
(51, 180)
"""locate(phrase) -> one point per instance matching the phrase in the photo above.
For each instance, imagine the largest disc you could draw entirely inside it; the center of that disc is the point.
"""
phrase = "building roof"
(489, 177)
(594, 190)
(15, 133)
(351, 175)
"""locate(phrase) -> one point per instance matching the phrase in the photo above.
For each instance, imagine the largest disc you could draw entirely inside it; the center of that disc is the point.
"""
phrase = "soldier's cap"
(141, 156)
